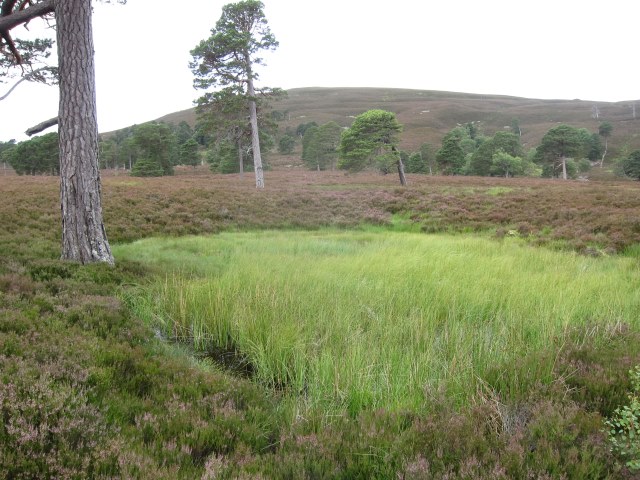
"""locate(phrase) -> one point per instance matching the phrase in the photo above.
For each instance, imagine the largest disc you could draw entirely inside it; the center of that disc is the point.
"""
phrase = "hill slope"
(427, 115)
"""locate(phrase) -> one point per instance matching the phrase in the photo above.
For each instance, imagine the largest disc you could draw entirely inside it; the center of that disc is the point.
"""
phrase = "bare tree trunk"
(83, 235)
(403, 179)
(564, 168)
(604, 154)
(255, 138)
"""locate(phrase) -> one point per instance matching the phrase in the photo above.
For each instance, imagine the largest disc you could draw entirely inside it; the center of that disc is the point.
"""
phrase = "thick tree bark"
(83, 235)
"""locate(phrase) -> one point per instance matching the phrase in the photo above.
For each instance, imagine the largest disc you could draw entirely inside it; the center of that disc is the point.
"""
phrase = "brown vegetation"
(86, 390)
(574, 214)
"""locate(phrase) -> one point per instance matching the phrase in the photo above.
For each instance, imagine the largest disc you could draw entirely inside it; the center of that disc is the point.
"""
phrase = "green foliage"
(119, 150)
(4, 146)
(156, 142)
(481, 162)
(631, 165)
(605, 129)
(595, 148)
(39, 155)
(183, 132)
(416, 164)
(302, 128)
(222, 115)
(320, 146)
(147, 167)
(450, 157)
(108, 153)
(506, 165)
(189, 154)
(624, 426)
(286, 144)
(373, 134)
(583, 165)
(515, 127)
(428, 155)
(33, 55)
(224, 158)
(551, 170)
(227, 57)
(557, 146)
(586, 143)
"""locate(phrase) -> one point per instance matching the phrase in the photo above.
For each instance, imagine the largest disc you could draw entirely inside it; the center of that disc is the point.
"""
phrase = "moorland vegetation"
(116, 398)
(481, 321)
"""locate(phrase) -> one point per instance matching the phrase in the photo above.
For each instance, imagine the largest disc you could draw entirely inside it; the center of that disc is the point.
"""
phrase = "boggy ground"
(87, 391)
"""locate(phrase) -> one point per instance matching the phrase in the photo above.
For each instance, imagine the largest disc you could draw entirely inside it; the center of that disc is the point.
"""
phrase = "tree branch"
(28, 76)
(13, 88)
(42, 126)
(7, 7)
(11, 20)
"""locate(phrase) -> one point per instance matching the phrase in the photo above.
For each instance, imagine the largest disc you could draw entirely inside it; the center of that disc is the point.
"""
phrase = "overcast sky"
(562, 49)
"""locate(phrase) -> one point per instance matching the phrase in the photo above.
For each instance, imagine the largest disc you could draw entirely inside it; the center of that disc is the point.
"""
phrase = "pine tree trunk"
(604, 154)
(255, 137)
(403, 179)
(564, 168)
(253, 119)
(83, 235)
(400, 165)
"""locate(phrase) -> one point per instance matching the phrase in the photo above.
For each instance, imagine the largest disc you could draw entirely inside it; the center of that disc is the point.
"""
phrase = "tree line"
(155, 148)
(150, 149)
(564, 151)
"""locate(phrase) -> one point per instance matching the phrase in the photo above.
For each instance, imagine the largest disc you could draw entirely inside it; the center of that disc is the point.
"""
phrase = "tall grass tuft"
(358, 320)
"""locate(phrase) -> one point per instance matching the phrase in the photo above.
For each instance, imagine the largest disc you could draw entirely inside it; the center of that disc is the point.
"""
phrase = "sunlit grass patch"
(357, 320)
(499, 190)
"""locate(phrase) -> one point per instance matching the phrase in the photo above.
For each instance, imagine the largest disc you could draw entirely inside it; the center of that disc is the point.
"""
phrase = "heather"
(89, 390)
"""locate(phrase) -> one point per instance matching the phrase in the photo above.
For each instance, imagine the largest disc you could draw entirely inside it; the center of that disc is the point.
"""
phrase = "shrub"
(631, 166)
(146, 167)
(624, 426)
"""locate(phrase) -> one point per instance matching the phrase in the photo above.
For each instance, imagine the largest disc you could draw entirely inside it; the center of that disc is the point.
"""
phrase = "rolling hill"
(427, 115)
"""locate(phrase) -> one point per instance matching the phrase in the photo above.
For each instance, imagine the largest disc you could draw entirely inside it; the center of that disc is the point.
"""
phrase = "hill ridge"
(427, 115)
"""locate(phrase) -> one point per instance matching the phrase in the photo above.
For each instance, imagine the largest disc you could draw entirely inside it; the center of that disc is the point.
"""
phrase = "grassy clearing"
(359, 320)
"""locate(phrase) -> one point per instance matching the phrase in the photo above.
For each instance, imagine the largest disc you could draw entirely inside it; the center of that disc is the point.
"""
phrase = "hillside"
(427, 115)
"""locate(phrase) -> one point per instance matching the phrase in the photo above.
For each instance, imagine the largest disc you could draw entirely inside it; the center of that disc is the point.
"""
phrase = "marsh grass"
(359, 320)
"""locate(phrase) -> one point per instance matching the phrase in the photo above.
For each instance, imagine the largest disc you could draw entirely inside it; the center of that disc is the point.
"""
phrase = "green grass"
(359, 320)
